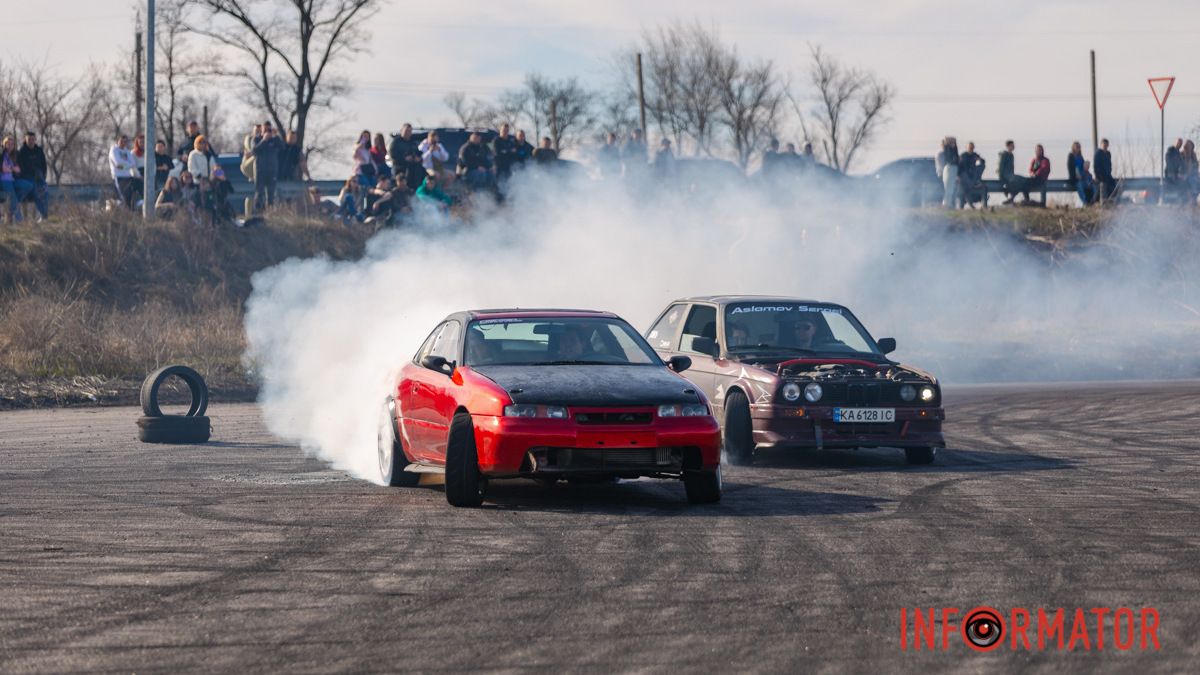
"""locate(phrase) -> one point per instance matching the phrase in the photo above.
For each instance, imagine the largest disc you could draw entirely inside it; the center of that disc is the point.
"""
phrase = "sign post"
(1164, 83)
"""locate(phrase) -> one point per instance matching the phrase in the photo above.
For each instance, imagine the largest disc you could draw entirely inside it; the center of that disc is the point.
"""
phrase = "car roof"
(533, 312)
(731, 299)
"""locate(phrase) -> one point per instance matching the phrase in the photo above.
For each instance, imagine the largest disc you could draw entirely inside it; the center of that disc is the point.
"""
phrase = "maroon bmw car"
(784, 372)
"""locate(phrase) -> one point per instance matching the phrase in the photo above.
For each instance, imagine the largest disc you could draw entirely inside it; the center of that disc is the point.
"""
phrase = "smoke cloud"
(327, 338)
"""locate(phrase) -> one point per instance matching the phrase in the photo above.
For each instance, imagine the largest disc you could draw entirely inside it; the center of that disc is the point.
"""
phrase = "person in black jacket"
(1102, 167)
(268, 150)
(504, 150)
(162, 164)
(32, 160)
(475, 163)
(406, 158)
(524, 150)
(189, 138)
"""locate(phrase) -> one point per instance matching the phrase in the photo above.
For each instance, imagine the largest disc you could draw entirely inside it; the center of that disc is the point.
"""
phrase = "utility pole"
(554, 121)
(137, 75)
(641, 95)
(1095, 126)
(149, 174)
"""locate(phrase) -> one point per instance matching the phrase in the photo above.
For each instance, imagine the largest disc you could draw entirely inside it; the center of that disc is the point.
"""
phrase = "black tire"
(920, 455)
(703, 487)
(176, 429)
(391, 453)
(738, 431)
(464, 484)
(195, 383)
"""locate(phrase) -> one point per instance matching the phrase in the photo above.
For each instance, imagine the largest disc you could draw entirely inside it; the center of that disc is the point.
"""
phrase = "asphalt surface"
(245, 556)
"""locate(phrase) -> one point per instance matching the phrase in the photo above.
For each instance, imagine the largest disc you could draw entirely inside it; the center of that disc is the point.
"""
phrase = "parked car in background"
(912, 181)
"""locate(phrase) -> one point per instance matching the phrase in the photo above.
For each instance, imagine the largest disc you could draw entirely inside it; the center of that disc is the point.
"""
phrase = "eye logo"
(983, 629)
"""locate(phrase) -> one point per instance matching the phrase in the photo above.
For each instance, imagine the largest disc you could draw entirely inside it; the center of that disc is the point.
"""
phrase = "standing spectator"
(475, 163)
(1190, 186)
(770, 157)
(11, 183)
(364, 168)
(406, 158)
(434, 158)
(664, 160)
(162, 163)
(809, 157)
(633, 154)
(1006, 170)
(170, 199)
(379, 157)
(504, 151)
(947, 168)
(292, 164)
(545, 155)
(1039, 172)
(1102, 166)
(268, 150)
(1074, 165)
(123, 167)
(248, 151)
(201, 161)
(1173, 168)
(608, 157)
(524, 150)
(191, 133)
(180, 165)
(139, 153)
(1085, 185)
(790, 160)
(32, 161)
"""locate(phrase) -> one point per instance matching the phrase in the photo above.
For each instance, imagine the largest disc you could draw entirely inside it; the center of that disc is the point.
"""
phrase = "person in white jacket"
(434, 158)
(201, 161)
(125, 175)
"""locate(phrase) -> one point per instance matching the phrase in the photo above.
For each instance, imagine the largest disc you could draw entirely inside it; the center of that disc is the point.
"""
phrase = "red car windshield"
(795, 327)
(556, 341)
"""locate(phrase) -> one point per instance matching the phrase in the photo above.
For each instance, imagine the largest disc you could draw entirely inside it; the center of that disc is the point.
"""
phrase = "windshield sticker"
(488, 322)
(673, 317)
(751, 309)
(653, 334)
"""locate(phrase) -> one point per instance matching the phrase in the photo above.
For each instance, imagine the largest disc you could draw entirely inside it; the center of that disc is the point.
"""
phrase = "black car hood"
(602, 386)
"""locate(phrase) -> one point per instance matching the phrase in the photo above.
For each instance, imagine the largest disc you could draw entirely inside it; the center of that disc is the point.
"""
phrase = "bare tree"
(288, 49)
(173, 68)
(852, 107)
(616, 112)
(64, 113)
(474, 113)
(751, 103)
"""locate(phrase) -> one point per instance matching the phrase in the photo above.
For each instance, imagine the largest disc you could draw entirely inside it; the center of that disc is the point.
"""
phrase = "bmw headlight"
(687, 410)
(791, 391)
(908, 392)
(927, 394)
(813, 392)
(554, 412)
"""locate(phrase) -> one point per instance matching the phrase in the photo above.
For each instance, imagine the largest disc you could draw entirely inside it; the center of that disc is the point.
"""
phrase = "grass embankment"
(92, 302)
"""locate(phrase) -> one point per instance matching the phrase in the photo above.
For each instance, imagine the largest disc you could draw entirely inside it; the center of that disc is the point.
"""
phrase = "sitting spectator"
(123, 167)
(475, 163)
(13, 185)
(314, 201)
(1074, 165)
(180, 164)
(406, 158)
(170, 199)
(1191, 174)
(220, 190)
(201, 160)
(364, 168)
(32, 161)
(162, 164)
(970, 177)
(385, 200)
(504, 152)
(379, 157)
(664, 159)
(189, 190)
(434, 158)
(430, 193)
(608, 157)
(1102, 166)
(348, 200)
(1039, 172)
(1006, 170)
(268, 150)
(1085, 185)
(248, 142)
(545, 155)
(524, 150)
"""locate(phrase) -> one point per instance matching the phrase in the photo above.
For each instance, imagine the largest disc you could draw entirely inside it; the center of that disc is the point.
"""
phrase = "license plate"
(860, 415)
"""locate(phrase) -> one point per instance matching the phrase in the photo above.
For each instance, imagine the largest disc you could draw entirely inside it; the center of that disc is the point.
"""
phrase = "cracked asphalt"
(243, 555)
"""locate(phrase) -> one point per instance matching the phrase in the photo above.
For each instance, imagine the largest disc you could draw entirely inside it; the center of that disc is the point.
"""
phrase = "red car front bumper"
(504, 444)
(814, 427)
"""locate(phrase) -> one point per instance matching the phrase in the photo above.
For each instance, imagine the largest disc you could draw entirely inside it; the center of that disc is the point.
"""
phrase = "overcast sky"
(980, 71)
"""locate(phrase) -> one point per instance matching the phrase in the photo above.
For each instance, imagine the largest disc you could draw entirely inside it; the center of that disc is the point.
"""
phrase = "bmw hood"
(601, 386)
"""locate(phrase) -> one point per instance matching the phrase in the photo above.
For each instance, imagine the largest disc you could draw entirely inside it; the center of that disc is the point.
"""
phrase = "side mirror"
(679, 363)
(886, 345)
(706, 346)
(438, 363)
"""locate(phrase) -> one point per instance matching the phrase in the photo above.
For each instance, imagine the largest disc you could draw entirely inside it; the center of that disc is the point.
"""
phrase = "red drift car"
(783, 372)
(545, 394)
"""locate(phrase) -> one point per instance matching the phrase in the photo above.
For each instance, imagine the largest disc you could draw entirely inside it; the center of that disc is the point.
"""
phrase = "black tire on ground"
(703, 487)
(195, 383)
(177, 429)
(464, 485)
(920, 455)
(738, 432)
(391, 453)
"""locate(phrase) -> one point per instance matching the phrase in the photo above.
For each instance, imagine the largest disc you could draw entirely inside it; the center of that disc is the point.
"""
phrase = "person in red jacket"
(1039, 171)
